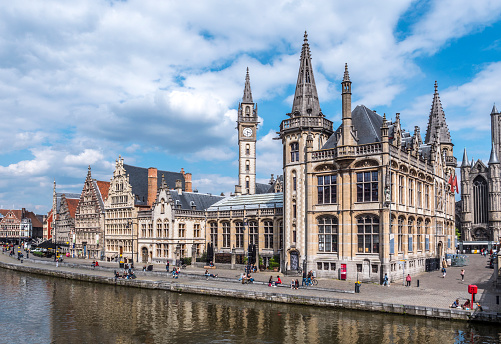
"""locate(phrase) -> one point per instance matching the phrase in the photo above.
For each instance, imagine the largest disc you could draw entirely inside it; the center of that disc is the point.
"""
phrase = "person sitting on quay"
(297, 284)
(466, 305)
(455, 304)
(175, 273)
(207, 274)
(279, 281)
(211, 264)
(271, 283)
(293, 284)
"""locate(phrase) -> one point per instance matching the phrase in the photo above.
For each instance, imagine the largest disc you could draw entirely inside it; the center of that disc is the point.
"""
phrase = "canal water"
(39, 309)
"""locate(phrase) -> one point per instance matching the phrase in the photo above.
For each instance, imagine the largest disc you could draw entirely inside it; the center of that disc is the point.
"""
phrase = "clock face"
(247, 132)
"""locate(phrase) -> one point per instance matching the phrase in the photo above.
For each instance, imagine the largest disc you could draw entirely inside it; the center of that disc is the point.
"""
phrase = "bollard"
(473, 298)
(357, 287)
(497, 299)
(418, 283)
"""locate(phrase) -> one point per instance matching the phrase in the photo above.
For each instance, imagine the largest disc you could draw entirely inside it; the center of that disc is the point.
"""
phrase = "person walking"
(408, 280)
(444, 272)
(462, 275)
(386, 281)
(167, 266)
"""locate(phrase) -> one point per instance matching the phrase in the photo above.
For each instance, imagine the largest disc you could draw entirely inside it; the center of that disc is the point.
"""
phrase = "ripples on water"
(37, 309)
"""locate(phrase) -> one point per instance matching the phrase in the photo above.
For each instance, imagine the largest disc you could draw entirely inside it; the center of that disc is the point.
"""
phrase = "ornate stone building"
(17, 225)
(132, 190)
(369, 197)
(480, 213)
(88, 238)
(174, 227)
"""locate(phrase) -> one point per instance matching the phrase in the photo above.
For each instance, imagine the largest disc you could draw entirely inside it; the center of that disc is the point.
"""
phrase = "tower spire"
(465, 159)
(494, 158)
(494, 109)
(247, 98)
(435, 121)
(306, 97)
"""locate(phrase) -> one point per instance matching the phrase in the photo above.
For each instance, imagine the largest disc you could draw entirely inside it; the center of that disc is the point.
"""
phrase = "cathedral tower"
(247, 126)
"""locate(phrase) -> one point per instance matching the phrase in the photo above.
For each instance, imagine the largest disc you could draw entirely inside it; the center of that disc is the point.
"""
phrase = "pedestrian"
(444, 272)
(462, 275)
(167, 267)
(297, 284)
(386, 282)
(57, 262)
(408, 280)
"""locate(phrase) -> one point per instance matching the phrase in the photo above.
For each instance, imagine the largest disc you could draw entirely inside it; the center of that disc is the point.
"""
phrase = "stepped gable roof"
(17, 213)
(366, 122)
(200, 200)
(269, 200)
(138, 179)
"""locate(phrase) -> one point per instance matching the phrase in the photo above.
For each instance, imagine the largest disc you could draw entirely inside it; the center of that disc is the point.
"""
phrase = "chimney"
(152, 185)
(187, 182)
(238, 190)
(179, 186)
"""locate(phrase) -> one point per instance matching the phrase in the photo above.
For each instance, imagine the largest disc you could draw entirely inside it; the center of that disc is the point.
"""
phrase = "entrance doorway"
(144, 255)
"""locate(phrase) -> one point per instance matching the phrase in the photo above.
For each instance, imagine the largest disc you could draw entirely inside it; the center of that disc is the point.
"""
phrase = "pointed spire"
(472, 163)
(465, 159)
(346, 76)
(247, 98)
(494, 158)
(437, 121)
(306, 97)
(494, 109)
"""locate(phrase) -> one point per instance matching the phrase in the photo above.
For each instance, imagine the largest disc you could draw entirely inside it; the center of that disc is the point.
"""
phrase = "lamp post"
(130, 225)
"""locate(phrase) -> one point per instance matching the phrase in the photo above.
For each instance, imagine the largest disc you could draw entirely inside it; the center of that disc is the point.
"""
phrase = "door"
(294, 260)
(144, 255)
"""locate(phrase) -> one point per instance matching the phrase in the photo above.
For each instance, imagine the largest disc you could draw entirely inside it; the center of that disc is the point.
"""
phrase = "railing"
(342, 151)
(252, 119)
(306, 121)
(244, 213)
(188, 212)
(451, 161)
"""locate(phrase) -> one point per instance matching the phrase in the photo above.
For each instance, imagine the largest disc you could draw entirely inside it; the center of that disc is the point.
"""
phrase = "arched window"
(281, 233)
(226, 235)
(247, 165)
(247, 149)
(247, 110)
(159, 229)
(166, 228)
(294, 151)
(239, 234)
(480, 197)
(268, 234)
(368, 234)
(427, 235)
(327, 234)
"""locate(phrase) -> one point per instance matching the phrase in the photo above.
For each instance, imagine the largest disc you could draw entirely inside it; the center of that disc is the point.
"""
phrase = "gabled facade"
(368, 198)
(65, 223)
(174, 227)
(18, 225)
(88, 239)
(480, 215)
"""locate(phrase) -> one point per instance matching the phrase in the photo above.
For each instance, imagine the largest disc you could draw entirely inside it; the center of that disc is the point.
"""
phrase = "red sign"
(472, 289)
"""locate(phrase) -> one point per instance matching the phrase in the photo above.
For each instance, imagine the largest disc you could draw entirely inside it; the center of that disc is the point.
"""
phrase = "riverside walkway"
(432, 298)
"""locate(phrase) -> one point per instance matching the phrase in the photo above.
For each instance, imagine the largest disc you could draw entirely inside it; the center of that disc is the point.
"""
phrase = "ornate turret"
(436, 121)
(465, 159)
(306, 97)
(347, 137)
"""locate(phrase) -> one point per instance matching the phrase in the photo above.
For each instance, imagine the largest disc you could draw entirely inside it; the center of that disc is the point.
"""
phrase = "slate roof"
(67, 195)
(138, 179)
(262, 188)
(200, 200)
(366, 122)
(269, 200)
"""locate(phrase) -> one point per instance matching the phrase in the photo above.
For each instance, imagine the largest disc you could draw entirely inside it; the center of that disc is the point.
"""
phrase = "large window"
(419, 194)
(410, 229)
(239, 234)
(400, 233)
(253, 233)
(367, 186)
(213, 233)
(268, 234)
(401, 189)
(226, 234)
(368, 234)
(418, 237)
(281, 231)
(327, 189)
(480, 196)
(427, 197)
(327, 234)
(182, 230)
(411, 192)
(294, 151)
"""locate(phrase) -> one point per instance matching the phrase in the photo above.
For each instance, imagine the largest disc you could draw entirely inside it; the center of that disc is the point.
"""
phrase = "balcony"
(348, 151)
(451, 161)
(309, 122)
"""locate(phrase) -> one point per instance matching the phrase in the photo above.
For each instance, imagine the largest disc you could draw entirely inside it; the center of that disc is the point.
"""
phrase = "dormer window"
(294, 151)
(178, 204)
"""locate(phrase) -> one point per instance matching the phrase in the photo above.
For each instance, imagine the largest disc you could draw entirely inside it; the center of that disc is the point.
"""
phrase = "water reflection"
(42, 310)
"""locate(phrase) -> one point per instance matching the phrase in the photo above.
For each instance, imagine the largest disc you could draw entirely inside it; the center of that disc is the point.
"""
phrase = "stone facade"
(88, 239)
(480, 213)
(368, 198)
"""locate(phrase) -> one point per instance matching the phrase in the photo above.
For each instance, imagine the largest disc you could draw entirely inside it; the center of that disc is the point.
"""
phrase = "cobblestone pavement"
(433, 290)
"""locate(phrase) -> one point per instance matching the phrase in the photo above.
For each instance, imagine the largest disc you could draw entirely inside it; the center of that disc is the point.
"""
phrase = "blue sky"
(159, 82)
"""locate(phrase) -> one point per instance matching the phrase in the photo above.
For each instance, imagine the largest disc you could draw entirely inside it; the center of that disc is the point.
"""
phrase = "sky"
(159, 82)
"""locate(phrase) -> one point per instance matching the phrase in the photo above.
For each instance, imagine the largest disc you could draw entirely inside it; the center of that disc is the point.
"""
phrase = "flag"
(455, 184)
(451, 183)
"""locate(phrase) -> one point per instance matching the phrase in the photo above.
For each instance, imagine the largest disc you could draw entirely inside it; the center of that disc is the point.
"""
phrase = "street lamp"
(130, 225)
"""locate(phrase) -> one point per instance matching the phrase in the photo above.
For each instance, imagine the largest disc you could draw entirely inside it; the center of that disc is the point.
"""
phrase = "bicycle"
(314, 281)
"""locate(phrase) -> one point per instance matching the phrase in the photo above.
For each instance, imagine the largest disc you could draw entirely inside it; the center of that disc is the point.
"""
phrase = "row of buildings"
(360, 199)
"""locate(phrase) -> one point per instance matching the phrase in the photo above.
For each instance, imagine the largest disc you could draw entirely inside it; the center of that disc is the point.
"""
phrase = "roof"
(138, 179)
(437, 127)
(263, 188)
(269, 200)
(67, 196)
(72, 206)
(200, 200)
(366, 122)
(104, 188)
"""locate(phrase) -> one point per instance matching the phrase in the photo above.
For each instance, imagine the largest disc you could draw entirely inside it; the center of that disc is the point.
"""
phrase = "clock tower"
(247, 125)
